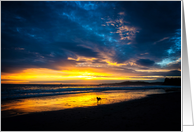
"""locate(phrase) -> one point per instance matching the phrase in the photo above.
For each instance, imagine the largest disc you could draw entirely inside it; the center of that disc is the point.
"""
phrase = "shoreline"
(167, 89)
(161, 112)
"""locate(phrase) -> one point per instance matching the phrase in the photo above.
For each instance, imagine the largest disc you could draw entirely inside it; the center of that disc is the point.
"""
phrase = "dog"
(98, 99)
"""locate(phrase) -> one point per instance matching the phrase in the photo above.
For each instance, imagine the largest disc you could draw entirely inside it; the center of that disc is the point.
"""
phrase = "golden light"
(46, 75)
(153, 70)
(115, 64)
(47, 103)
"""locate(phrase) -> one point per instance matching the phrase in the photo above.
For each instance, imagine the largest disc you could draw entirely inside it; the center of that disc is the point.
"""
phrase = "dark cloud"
(174, 66)
(174, 73)
(170, 73)
(145, 62)
(77, 49)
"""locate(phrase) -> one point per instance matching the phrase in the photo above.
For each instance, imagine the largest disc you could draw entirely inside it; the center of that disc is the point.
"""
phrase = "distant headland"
(167, 81)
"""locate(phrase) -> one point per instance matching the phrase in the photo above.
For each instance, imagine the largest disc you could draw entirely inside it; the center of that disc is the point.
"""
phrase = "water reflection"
(59, 102)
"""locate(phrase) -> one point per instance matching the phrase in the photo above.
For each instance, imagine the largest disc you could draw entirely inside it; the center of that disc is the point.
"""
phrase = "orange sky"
(75, 76)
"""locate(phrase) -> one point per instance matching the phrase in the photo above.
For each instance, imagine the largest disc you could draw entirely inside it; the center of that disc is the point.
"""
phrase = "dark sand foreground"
(154, 113)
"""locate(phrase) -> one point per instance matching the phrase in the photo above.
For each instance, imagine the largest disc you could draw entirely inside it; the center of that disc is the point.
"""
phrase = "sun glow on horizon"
(44, 75)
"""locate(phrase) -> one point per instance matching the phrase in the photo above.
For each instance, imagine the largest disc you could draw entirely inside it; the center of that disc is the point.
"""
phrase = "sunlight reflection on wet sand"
(59, 102)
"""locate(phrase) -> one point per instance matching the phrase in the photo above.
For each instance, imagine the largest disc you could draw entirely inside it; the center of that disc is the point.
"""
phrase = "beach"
(91, 66)
(157, 112)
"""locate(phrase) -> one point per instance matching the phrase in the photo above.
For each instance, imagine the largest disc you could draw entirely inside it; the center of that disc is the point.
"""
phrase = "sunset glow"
(42, 74)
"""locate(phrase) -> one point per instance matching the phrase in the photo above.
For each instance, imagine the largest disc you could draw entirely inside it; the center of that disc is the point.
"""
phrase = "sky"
(89, 42)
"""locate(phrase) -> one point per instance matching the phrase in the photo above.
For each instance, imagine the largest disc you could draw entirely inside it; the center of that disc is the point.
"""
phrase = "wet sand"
(161, 112)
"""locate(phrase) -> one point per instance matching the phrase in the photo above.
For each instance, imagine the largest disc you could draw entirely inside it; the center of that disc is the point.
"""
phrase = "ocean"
(23, 99)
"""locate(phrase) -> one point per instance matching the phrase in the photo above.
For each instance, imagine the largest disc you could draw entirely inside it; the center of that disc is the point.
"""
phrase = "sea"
(17, 99)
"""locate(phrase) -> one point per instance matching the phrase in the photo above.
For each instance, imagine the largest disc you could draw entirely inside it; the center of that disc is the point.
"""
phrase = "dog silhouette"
(98, 99)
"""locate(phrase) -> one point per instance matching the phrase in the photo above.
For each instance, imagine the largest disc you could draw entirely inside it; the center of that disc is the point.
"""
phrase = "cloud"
(145, 62)
(174, 73)
(77, 49)
(161, 40)
(121, 13)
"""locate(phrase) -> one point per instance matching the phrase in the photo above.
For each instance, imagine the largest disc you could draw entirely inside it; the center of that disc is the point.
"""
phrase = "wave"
(27, 92)
(20, 96)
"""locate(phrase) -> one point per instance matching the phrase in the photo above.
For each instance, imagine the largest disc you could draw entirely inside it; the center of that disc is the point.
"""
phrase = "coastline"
(161, 112)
